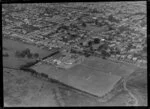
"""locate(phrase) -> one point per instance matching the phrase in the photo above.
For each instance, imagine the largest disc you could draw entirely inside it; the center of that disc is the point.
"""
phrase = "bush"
(105, 54)
(36, 55)
(19, 54)
(29, 55)
(5, 55)
(96, 40)
(83, 24)
(44, 75)
(90, 43)
(26, 52)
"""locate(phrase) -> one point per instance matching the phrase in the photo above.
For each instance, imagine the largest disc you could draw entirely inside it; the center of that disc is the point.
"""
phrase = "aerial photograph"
(74, 54)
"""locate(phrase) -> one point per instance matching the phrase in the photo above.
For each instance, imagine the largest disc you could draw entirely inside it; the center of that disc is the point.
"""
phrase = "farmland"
(11, 46)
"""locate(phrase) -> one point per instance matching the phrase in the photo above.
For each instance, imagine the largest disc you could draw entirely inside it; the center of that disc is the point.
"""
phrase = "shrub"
(36, 55)
(19, 54)
(5, 55)
(96, 40)
(83, 24)
(29, 55)
(26, 52)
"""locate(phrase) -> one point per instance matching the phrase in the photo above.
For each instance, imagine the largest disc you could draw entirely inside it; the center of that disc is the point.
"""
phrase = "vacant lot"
(12, 46)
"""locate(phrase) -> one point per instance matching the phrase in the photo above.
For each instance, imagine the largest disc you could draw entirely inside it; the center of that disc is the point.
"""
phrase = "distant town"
(81, 31)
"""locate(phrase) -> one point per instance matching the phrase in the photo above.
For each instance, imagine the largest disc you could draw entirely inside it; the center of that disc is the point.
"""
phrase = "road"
(135, 99)
(121, 61)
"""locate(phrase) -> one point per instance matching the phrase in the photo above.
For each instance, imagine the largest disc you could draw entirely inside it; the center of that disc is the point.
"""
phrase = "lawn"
(12, 46)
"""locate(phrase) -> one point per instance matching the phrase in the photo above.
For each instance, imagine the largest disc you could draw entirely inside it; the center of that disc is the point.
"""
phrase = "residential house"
(134, 58)
(129, 57)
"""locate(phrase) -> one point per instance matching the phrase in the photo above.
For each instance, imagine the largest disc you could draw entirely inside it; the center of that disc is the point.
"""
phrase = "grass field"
(13, 46)
(93, 75)
(81, 77)
(137, 84)
(21, 89)
(107, 66)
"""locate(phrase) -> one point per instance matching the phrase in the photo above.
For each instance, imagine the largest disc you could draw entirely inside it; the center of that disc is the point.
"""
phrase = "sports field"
(81, 77)
(92, 76)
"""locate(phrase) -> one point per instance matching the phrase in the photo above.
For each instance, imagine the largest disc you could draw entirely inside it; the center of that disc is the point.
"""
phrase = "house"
(122, 56)
(112, 56)
(144, 61)
(57, 61)
(139, 61)
(95, 46)
(134, 58)
(117, 56)
(129, 56)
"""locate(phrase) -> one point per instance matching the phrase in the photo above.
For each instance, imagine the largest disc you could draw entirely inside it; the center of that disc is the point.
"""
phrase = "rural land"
(74, 54)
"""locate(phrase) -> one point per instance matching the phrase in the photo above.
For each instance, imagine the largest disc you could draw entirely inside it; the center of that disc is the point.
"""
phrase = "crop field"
(12, 46)
(81, 77)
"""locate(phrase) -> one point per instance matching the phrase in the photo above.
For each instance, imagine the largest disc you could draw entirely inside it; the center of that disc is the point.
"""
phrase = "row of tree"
(33, 72)
(26, 53)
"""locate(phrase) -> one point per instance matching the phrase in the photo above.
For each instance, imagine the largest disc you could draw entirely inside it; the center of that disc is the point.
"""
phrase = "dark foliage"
(5, 55)
(27, 53)
(96, 40)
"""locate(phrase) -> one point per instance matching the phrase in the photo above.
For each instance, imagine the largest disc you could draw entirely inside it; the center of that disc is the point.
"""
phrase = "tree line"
(26, 53)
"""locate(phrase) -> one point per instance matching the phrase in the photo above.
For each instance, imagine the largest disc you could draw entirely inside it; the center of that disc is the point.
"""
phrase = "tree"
(81, 43)
(29, 55)
(113, 19)
(87, 54)
(90, 43)
(19, 54)
(117, 51)
(26, 51)
(105, 54)
(5, 55)
(36, 55)
(72, 51)
(96, 40)
(145, 49)
(84, 24)
(44, 75)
